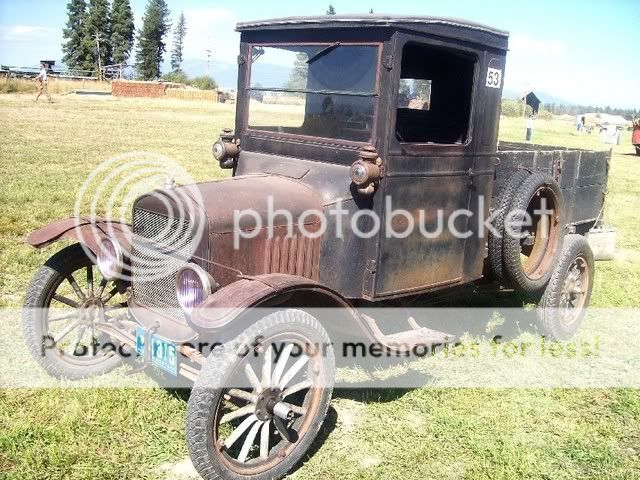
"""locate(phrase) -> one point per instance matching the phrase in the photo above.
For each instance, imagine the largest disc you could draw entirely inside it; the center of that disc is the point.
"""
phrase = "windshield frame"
(267, 134)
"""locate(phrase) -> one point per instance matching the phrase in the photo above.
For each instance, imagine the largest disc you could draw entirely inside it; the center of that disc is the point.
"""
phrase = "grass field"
(46, 151)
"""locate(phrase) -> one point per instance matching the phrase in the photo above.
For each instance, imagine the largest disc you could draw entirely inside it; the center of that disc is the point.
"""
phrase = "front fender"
(227, 307)
(87, 231)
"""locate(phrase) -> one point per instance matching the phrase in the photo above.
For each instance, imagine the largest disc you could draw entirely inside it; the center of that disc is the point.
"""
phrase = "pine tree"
(178, 43)
(151, 46)
(74, 53)
(97, 32)
(298, 76)
(331, 10)
(122, 30)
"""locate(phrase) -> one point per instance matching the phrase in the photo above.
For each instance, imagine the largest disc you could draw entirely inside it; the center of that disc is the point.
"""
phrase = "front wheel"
(260, 400)
(66, 304)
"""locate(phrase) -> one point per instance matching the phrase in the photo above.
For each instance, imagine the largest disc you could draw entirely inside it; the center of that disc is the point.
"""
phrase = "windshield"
(327, 90)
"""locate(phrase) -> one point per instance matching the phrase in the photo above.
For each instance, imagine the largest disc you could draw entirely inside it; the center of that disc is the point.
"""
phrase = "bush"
(176, 77)
(545, 115)
(511, 108)
(204, 83)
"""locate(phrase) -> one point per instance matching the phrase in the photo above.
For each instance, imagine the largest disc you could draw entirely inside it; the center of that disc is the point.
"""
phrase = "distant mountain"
(543, 96)
(226, 74)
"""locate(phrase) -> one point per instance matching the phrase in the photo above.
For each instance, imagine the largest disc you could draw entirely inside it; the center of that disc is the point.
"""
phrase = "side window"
(434, 97)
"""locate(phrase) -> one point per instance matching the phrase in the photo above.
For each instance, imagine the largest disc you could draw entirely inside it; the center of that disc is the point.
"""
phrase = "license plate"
(163, 354)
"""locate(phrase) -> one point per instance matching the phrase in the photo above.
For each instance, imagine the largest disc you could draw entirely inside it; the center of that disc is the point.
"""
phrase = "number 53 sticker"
(494, 78)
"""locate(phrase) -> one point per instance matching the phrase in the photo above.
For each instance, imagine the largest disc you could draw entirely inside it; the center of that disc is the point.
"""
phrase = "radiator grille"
(160, 247)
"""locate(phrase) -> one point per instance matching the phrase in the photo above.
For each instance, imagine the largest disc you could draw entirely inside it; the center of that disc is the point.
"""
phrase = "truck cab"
(421, 97)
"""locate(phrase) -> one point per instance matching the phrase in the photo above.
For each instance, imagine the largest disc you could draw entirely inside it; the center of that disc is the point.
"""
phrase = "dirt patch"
(183, 470)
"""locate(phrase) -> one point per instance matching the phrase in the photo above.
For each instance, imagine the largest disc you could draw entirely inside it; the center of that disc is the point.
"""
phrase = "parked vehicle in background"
(635, 137)
(379, 108)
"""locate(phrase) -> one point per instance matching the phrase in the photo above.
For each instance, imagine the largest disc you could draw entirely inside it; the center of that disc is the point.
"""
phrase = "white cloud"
(17, 33)
(210, 29)
(538, 64)
(521, 44)
(25, 45)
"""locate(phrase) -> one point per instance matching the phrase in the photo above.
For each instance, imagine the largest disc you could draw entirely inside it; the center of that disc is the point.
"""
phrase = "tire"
(532, 276)
(637, 149)
(210, 456)
(557, 324)
(36, 320)
(494, 243)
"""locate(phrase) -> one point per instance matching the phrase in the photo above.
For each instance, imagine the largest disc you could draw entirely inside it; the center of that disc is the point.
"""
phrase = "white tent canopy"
(605, 118)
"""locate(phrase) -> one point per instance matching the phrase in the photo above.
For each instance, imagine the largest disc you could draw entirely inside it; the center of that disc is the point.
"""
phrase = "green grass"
(46, 152)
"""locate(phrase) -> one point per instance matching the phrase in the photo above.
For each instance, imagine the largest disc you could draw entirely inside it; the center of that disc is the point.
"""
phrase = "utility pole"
(208, 52)
(99, 61)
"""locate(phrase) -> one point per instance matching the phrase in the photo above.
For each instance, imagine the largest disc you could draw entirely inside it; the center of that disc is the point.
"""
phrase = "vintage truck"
(371, 109)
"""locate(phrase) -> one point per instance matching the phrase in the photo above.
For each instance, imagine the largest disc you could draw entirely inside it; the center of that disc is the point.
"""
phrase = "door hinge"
(387, 62)
(371, 266)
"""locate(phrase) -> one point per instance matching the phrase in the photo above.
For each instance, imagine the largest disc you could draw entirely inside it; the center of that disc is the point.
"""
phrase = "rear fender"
(87, 231)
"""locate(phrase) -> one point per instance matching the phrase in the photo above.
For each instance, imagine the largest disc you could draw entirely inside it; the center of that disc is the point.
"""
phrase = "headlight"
(193, 285)
(110, 259)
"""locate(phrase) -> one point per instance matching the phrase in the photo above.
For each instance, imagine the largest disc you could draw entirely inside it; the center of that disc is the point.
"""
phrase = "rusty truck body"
(381, 110)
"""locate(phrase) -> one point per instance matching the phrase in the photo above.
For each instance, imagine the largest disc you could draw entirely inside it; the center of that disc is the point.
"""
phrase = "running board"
(416, 336)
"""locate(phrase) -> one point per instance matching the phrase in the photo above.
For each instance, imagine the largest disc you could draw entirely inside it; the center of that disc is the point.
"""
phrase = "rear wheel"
(66, 305)
(260, 400)
(637, 149)
(567, 296)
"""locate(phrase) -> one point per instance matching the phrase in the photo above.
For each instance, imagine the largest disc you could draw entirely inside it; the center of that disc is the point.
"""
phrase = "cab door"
(429, 176)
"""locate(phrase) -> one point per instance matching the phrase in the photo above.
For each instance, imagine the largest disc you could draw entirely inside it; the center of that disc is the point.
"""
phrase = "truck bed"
(582, 175)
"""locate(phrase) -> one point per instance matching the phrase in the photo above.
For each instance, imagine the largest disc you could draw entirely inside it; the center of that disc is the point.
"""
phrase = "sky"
(582, 52)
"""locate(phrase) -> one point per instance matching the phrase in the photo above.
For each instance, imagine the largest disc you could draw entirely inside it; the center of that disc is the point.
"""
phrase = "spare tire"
(530, 251)
(503, 201)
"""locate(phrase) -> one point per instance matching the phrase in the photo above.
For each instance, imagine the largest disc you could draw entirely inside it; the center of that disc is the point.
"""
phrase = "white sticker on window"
(494, 78)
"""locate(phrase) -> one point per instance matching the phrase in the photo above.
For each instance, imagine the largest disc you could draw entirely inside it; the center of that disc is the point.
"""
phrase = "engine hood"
(221, 201)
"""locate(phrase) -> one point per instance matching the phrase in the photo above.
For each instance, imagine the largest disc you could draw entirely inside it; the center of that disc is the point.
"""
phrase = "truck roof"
(442, 26)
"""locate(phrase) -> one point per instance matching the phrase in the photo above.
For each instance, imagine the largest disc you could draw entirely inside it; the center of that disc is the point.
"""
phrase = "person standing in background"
(529, 128)
(635, 136)
(44, 83)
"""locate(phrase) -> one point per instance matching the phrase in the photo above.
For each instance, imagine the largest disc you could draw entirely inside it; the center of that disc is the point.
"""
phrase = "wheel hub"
(573, 290)
(90, 311)
(267, 401)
